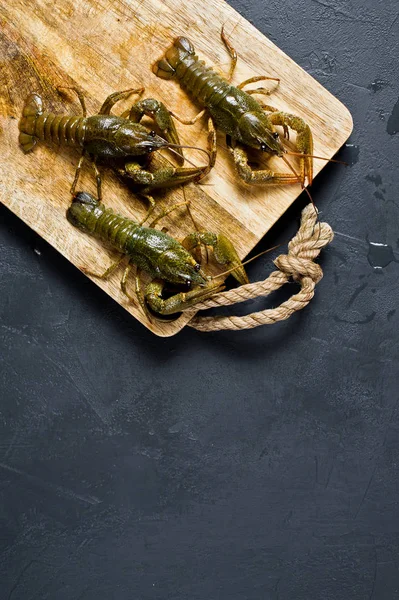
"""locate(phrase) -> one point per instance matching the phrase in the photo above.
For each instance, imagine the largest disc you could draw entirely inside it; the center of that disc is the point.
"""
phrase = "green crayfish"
(158, 254)
(112, 138)
(245, 121)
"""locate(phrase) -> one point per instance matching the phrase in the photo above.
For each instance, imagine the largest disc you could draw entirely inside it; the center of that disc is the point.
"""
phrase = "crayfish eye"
(276, 135)
(153, 133)
(197, 267)
(263, 147)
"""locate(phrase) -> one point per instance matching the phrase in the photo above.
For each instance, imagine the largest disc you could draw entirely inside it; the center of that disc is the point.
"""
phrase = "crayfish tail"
(33, 108)
(165, 68)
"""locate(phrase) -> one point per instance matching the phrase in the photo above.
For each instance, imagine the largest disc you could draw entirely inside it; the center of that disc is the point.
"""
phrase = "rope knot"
(298, 267)
(305, 247)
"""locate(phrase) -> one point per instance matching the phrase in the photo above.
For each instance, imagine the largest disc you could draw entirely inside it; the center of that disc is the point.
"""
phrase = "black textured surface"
(251, 466)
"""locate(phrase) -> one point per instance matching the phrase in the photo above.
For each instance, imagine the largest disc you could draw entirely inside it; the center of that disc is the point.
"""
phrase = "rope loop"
(298, 264)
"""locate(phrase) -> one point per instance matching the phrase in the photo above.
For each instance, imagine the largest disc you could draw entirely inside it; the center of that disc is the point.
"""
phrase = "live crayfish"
(238, 114)
(156, 253)
(122, 140)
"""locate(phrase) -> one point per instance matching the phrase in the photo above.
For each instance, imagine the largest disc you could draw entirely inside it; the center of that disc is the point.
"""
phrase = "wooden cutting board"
(107, 45)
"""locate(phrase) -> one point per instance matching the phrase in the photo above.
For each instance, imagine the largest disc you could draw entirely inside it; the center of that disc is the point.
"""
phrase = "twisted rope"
(298, 264)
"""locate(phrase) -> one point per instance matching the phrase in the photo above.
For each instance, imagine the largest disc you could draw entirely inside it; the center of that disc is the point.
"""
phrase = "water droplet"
(376, 179)
(378, 195)
(351, 154)
(393, 121)
(377, 85)
(380, 255)
(36, 251)
(176, 428)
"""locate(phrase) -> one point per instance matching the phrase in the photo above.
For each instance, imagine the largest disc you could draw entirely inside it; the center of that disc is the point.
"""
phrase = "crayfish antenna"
(311, 199)
(291, 168)
(171, 146)
(300, 180)
(334, 160)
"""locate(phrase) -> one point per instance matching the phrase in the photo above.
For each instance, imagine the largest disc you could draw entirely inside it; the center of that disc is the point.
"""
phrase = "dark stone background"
(255, 465)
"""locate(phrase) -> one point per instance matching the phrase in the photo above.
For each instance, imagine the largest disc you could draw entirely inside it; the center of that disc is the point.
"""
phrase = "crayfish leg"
(112, 99)
(304, 140)
(177, 302)
(223, 250)
(79, 94)
(191, 121)
(233, 55)
(162, 118)
(255, 80)
(163, 177)
(260, 176)
(107, 274)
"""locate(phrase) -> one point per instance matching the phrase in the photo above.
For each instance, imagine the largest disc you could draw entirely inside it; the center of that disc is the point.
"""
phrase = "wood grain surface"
(104, 46)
